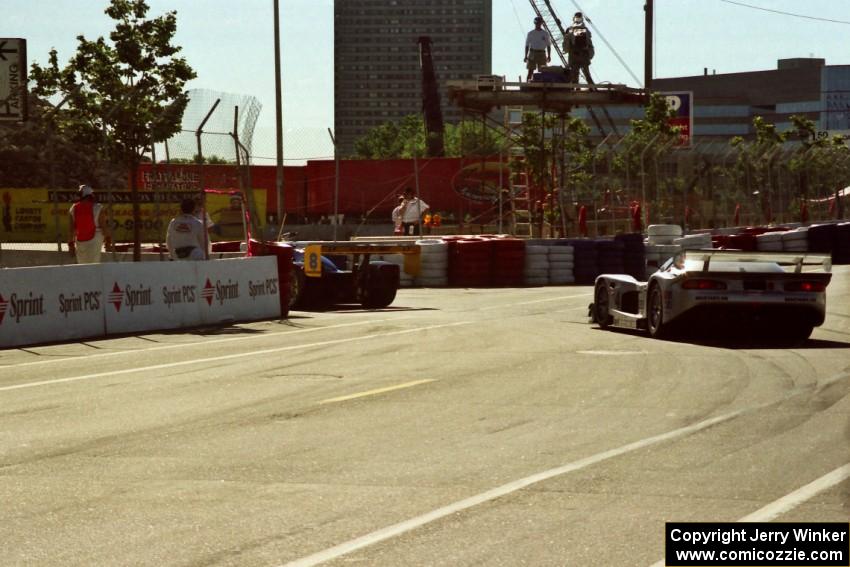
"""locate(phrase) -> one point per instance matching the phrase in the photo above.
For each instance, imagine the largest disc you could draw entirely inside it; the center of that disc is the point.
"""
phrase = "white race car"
(779, 294)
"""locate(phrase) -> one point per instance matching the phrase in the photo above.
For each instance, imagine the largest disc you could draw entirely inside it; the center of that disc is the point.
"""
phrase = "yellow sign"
(40, 215)
(313, 261)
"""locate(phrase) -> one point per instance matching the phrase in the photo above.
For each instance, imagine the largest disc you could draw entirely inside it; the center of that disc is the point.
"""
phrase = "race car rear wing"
(313, 254)
(783, 259)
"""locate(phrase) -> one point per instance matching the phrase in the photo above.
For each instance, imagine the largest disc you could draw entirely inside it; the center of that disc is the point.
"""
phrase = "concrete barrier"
(58, 303)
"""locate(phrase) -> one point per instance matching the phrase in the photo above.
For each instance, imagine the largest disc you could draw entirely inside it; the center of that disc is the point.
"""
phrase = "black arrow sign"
(3, 50)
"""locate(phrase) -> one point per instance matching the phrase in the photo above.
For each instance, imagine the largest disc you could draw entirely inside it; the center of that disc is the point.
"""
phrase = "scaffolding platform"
(477, 96)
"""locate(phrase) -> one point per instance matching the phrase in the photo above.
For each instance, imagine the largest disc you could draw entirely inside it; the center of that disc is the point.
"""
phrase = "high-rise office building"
(377, 76)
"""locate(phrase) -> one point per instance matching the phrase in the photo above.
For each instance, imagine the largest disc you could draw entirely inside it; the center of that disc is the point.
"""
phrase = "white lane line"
(535, 301)
(792, 500)
(505, 489)
(377, 391)
(88, 357)
(253, 353)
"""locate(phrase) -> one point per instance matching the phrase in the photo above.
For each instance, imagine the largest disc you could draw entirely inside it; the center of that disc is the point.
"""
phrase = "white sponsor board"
(141, 296)
(57, 303)
(54, 303)
(241, 288)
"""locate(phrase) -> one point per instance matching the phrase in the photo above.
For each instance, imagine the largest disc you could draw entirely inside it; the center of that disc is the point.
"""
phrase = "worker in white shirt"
(538, 48)
(411, 213)
(185, 237)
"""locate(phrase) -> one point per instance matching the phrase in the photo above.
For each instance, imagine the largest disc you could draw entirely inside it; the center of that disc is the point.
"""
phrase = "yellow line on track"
(377, 391)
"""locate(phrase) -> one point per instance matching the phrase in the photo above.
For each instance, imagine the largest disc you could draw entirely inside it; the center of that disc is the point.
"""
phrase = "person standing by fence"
(89, 228)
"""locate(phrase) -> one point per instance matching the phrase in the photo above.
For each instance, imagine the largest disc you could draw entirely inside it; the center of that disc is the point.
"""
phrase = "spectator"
(89, 229)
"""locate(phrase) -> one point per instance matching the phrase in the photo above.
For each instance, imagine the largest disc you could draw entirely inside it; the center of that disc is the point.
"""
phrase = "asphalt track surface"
(459, 427)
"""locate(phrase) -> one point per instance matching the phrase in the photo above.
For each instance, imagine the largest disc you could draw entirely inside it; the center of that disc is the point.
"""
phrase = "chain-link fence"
(712, 184)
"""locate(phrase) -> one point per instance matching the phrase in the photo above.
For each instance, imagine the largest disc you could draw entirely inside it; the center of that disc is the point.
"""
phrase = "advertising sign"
(40, 215)
(683, 105)
(54, 303)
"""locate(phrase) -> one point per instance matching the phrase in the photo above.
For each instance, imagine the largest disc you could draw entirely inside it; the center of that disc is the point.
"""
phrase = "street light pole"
(278, 98)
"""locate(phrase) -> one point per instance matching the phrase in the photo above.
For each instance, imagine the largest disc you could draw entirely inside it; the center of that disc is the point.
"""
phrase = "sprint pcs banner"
(40, 215)
(58, 303)
(54, 303)
(187, 294)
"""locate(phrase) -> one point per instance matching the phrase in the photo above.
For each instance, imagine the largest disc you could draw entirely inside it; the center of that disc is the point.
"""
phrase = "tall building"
(377, 76)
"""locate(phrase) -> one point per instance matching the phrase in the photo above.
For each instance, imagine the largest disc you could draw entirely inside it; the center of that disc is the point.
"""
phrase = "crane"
(556, 30)
(433, 114)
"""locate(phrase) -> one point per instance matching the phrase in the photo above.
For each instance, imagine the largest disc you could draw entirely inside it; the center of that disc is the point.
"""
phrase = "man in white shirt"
(538, 48)
(411, 213)
(185, 236)
(396, 216)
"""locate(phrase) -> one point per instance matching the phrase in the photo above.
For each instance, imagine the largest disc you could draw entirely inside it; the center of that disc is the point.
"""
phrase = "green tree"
(646, 140)
(406, 138)
(393, 140)
(123, 95)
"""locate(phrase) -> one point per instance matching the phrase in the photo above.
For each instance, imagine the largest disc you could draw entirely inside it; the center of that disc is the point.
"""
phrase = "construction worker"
(538, 48)
(89, 227)
(578, 44)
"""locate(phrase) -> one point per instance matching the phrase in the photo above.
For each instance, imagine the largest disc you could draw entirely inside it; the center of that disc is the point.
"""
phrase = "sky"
(231, 46)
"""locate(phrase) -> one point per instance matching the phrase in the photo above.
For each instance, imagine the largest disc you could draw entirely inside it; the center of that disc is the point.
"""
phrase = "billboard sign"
(13, 79)
(682, 104)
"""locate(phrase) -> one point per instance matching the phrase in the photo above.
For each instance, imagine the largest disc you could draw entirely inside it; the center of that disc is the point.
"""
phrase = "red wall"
(366, 187)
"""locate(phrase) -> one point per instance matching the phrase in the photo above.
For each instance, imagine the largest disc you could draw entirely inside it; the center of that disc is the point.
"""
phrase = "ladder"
(556, 30)
(521, 219)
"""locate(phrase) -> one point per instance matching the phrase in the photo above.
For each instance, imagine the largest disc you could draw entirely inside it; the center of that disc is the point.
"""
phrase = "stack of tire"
(508, 262)
(796, 240)
(700, 241)
(663, 234)
(433, 263)
(585, 261)
(769, 242)
(561, 264)
(610, 256)
(634, 255)
(470, 262)
(841, 252)
(536, 264)
(743, 241)
(822, 238)
(659, 244)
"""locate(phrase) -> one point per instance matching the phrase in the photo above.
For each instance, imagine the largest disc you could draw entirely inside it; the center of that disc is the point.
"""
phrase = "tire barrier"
(470, 262)
(610, 256)
(841, 251)
(586, 263)
(508, 265)
(634, 260)
(434, 263)
(694, 241)
(796, 240)
(663, 233)
(561, 259)
(769, 242)
(536, 265)
(822, 238)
